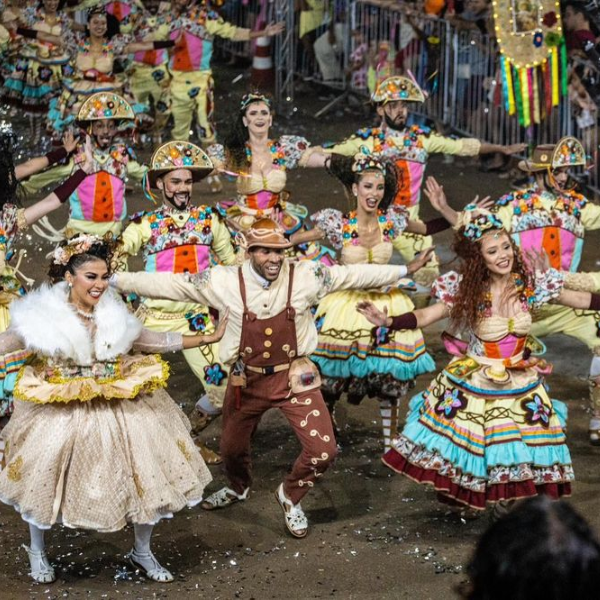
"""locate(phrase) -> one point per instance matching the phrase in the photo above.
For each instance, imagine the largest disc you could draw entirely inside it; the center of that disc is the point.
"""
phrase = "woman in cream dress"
(350, 358)
(119, 450)
(260, 166)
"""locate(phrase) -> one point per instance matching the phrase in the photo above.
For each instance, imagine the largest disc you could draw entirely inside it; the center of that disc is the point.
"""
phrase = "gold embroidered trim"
(138, 485)
(181, 445)
(14, 469)
(22, 223)
(88, 392)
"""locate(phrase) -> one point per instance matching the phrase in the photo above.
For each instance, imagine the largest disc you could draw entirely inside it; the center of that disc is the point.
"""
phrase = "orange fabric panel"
(404, 195)
(185, 260)
(181, 58)
(492, 350)
(104, 208)
(551, 244)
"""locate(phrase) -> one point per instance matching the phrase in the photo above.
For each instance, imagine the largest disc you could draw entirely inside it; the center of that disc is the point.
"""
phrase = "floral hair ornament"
(365, 161)
(477, 222)
(77, 245)
(251, 97)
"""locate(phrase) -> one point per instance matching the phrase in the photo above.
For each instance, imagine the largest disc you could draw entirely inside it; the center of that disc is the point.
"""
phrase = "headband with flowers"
(477, 221)
(364, 160)
(251, 97)
(77, 245)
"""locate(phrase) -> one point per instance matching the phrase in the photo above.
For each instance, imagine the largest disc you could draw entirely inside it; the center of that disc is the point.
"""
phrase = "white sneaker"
(295, 519)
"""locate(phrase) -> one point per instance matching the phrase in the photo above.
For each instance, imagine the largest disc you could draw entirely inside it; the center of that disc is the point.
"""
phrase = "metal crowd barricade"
(242, 13)
(459, 69)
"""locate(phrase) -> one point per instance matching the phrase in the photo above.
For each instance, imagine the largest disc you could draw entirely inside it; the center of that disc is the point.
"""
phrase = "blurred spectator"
(358, 64)
(579, 28)
(329, 46)
(541, 550)
(312, 14)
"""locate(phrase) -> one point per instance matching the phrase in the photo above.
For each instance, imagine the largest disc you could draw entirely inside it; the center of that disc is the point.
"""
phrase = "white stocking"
(37, 543)
(142, 533)
(389, 421)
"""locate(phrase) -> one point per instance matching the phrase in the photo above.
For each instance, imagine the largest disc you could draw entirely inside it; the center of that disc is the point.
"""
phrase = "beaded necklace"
(87, 47)
(277, 153)
(350, 227)
(199, 220)
(526, 296)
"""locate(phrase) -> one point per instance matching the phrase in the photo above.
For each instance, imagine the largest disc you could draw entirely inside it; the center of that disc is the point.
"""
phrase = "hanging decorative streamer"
(534, 58)
(555, 91)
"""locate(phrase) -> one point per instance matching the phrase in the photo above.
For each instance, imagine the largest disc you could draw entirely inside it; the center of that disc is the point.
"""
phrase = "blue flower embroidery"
(450, 402)
(536, 412)
(214, 374)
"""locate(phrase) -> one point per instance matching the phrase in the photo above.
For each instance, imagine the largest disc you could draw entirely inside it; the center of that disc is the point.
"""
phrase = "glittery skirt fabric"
(101, 464)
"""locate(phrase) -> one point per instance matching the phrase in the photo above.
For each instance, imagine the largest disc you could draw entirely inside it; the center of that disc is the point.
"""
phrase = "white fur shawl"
(49, 325)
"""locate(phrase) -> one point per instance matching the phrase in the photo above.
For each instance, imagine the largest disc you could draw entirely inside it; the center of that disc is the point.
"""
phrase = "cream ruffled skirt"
(101, 464)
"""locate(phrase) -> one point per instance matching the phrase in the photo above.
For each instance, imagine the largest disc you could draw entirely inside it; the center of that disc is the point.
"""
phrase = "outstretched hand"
(69, 142)
(536, 260)
(484, 204)
(514, 149)
(273, 29)
(435, 193)
(219, 332)
(88, 164)
(373, 314)
(421, 260)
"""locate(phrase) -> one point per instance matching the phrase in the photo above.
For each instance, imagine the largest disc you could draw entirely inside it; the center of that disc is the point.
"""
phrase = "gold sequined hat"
(103, 106)
(397, 88)
(568, 152)
(179, 155)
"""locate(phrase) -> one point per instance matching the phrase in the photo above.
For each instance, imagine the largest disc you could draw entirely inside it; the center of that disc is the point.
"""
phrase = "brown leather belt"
(268, 370)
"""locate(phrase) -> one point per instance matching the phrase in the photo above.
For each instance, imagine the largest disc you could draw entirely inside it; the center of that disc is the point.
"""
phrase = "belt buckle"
(270, 370)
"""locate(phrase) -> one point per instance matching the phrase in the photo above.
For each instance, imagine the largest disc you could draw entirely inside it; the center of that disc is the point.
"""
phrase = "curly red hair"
(467, 311)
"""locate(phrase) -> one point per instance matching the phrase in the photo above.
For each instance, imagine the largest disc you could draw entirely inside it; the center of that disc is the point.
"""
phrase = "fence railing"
(348, 46)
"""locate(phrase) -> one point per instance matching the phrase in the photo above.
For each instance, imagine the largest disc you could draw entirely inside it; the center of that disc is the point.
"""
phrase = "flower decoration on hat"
(178, 155)
(103, 106)
(251, 97)
(364, 160)
(397, 88)
(77, 245)
(568, 152)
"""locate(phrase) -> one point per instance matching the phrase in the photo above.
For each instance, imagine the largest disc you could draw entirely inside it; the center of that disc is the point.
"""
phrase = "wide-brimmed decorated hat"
(397, 88)
(264, 233)
(568, 152)
(176, 155)
(102, 106)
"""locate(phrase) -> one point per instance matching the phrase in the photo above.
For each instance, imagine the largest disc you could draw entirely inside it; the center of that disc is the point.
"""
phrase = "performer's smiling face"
(104, 132)
(97, 25)
(369, 190)
(51, 5)
(394, 114)
(497, 252)
(267, 262)
(560, 179)
(176, 187)
(88, 283)
(258, 118)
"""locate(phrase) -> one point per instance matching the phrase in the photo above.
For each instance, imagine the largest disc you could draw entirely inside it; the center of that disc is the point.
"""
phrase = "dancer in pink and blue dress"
(485, 431)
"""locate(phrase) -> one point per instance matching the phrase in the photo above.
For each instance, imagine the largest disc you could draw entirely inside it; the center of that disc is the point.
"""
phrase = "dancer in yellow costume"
(194, 28)
(148, 75)
(98, 204)
(179, 237)
(551, 217)
(409, 148)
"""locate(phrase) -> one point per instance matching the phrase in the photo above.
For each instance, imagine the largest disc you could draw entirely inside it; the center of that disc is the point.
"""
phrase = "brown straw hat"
(568, 152)
(264, 233)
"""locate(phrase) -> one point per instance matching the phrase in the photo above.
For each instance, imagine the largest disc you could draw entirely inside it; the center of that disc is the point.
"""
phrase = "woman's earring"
(70, 284)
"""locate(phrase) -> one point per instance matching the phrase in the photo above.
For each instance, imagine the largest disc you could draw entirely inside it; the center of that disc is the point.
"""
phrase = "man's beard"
(171, 200)
(398, 124)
